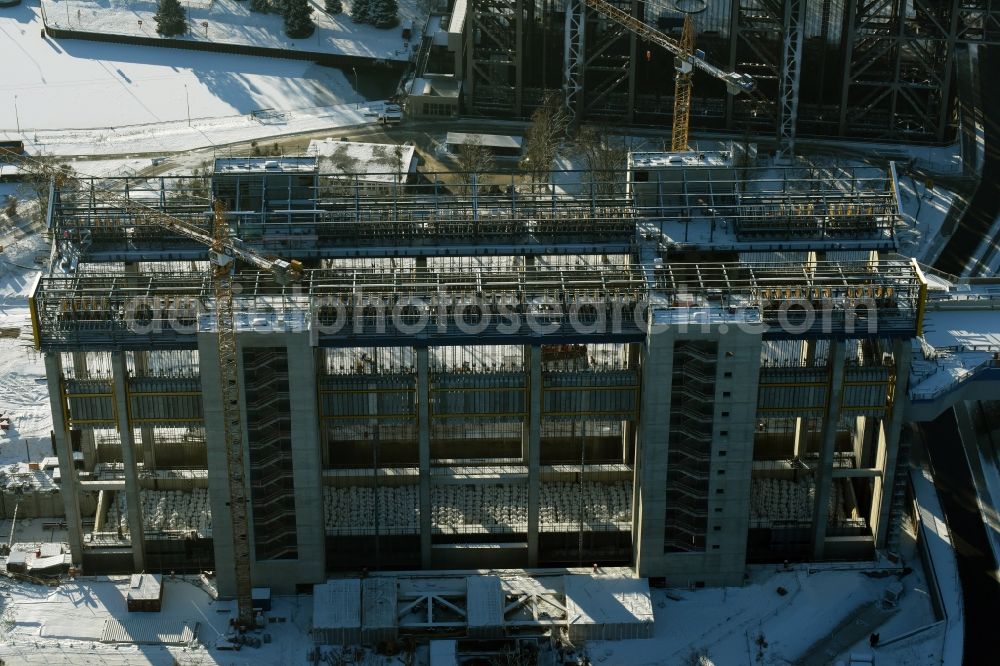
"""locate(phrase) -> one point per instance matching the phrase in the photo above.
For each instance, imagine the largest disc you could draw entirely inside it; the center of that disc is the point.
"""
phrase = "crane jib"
(735, 81)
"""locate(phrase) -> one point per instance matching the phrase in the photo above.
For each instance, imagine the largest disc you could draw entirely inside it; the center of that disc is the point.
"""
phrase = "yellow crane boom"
(686, 60)
(223, 253)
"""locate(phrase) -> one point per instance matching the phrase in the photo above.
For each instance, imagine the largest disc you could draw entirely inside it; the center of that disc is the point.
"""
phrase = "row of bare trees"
(550, 125)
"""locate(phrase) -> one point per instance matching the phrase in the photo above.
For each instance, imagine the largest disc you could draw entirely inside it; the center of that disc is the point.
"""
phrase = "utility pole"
(187, 101)
(356, 89)
(17, 117)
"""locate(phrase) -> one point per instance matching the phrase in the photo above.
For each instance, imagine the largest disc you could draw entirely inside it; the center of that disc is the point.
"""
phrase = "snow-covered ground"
(23, 393)
(232, 22)
(203, 133)
(67, 622)
(72, 84)
(727, 623)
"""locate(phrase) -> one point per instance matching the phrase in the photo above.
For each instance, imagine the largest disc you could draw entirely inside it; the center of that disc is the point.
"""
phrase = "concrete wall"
(310, 565)
(723, 560)
(43, 504)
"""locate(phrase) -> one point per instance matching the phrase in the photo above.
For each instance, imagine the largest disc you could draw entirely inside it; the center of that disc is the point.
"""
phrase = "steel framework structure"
(850, 207)
(494, 57)
(884, 68)
(361, 307)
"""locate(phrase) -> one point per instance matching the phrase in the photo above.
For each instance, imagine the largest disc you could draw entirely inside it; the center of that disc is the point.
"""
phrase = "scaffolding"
(588, 213)
(459, 402)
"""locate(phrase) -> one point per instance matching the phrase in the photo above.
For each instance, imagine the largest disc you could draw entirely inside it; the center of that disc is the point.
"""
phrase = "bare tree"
(515, 657)
(605, 159)
(699, 657)
(398, 152)
(37, 183)
(549, 124)
(473, 158)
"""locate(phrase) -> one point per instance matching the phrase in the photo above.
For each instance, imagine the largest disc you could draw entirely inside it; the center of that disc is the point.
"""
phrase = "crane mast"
(224, 251)
(229, 384)
(682, 89)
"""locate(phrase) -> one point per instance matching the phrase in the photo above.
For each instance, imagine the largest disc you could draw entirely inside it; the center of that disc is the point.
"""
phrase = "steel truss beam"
(494, 77)
(610, 65)
(791, 70)
(756, 37)
(574, 57)
(361, 307)
(892, 78)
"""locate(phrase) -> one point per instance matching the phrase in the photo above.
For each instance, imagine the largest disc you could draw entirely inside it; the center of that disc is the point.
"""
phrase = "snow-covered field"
(232, 22)
(70, 84)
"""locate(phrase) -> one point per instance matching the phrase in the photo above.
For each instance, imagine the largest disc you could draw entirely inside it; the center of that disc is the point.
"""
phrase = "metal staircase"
(689, 457)
(269, 445)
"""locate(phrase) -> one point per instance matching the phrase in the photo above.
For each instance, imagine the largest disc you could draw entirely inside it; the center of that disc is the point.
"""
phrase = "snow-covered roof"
(686, 159)
(265, 164)
(372, 162)
(607, 600)
(484, 601)
(437, 86)
(337, 604)
(457, 24)
(970, 329)
(490, 140)
(144, 586)
(378, 600)
(232, 23)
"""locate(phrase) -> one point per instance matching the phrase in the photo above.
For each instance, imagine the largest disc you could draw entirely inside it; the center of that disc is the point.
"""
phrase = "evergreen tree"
(298, 22)
(360, 10)
(333, 7)
(383, 13)
(261, 6)
(170, 18)
(279, 6)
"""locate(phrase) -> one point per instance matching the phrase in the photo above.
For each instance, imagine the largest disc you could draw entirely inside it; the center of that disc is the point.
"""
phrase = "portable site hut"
(41, 560)
(145, 593)
(261, 598)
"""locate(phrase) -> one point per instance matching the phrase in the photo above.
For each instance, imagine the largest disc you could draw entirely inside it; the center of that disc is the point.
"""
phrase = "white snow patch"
(49, 84)
(232, 22)
(923, 210)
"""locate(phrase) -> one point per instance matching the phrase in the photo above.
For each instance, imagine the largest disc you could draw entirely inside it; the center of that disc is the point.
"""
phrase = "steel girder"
(892, 78)
(494, 42)
(755, 48)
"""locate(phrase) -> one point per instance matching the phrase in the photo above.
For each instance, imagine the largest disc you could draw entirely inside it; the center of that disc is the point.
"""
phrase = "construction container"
(261, 597)
(145, 593)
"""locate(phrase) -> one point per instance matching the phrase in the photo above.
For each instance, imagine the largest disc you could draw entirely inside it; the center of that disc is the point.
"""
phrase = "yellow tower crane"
(682, 88)
(686, 60)
(224, 251)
